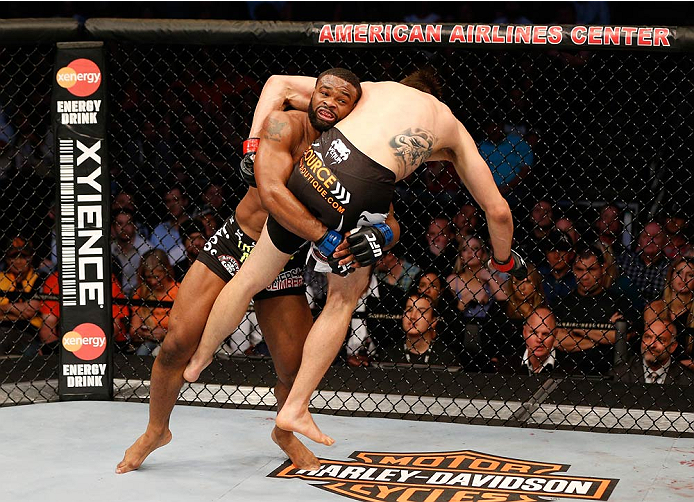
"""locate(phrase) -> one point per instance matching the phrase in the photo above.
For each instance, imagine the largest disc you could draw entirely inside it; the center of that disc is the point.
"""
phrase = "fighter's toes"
(140, 450)
(301, 457)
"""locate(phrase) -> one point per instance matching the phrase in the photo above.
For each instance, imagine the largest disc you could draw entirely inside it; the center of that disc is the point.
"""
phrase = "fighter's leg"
(321, 347)
(261, 267)
(195, 298)
(285, 322)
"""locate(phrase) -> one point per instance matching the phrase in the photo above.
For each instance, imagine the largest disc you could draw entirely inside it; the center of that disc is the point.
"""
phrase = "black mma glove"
(250, 146)
(515, 265)
(336, 268)
(367, 243)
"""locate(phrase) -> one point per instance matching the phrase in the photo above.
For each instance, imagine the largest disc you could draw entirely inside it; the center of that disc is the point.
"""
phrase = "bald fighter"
(281, 306)
(393, 129)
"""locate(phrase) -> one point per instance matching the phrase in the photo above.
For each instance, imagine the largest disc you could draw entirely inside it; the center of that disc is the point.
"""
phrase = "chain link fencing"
(592, 150)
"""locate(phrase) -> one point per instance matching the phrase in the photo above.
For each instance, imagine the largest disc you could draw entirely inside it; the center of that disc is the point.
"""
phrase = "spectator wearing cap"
(193, 236)
(558, 279)
(20, 318)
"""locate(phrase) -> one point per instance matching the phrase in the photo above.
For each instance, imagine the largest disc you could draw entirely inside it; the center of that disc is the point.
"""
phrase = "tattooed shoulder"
(413, 147)
(274, 129)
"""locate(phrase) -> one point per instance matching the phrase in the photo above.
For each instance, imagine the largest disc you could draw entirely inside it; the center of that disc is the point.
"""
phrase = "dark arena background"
(120, 136)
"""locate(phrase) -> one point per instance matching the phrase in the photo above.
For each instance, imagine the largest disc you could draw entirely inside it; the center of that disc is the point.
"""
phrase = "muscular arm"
(603, 337)
(273, 166)
(477, 177)
(278, 92)
(567, 341)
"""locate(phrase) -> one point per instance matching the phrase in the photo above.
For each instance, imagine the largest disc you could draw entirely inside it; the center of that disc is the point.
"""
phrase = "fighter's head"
(337, 92)
(424, 80)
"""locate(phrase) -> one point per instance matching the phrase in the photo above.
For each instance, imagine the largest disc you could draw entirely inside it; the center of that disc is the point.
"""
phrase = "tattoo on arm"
(274, 130)
(413, 146)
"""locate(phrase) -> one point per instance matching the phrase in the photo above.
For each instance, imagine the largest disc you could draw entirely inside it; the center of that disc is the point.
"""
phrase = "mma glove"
(367, 243)
(515, 265)
(250, 146)
(336, 268)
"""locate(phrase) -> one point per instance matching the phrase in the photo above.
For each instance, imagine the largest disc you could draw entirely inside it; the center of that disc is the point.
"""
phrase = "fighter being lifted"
(282, 309)
(345, 180)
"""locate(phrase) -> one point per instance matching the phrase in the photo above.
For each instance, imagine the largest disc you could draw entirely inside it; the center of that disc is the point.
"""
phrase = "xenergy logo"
(81, 77)
(87, 341)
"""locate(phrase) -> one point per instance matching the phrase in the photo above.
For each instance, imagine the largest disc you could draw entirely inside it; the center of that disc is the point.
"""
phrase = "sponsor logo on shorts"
(81, 77)
(323, 180)
(448, 476)
(288, 279)
(338, 152)
(87, 341)
(229, 262)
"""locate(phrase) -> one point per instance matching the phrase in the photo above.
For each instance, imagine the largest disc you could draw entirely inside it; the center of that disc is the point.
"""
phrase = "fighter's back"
(398, 126)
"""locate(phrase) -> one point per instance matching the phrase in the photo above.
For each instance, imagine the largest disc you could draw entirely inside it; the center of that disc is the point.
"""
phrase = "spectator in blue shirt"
(558, 279)
(509, 157)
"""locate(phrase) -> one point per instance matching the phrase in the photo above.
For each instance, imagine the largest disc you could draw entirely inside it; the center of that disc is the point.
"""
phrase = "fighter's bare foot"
(301, 457)
(194, 368)
(302, 422)
(140, 450)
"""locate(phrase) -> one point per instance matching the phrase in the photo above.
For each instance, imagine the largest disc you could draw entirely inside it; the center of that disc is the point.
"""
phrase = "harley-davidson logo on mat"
(454, 476)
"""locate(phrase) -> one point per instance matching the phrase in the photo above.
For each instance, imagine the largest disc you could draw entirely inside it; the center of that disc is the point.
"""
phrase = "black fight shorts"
(228, 248)
(341, 186)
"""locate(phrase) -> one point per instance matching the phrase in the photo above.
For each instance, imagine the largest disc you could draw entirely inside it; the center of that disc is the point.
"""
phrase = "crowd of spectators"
(590, 287)
(578, 302)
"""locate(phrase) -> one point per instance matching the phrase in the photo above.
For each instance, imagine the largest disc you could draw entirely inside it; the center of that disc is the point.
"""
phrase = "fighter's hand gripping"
(336, 268)
(515, 265)
(367, 243)
(250, 146)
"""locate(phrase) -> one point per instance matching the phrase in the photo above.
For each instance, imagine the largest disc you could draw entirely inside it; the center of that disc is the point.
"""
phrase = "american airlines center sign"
(453, 476)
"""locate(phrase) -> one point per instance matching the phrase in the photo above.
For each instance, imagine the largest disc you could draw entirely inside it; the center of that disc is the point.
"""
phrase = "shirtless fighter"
(282, 309)
(393, 129)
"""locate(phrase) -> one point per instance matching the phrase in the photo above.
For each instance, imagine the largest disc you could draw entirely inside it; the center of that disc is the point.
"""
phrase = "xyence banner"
(79, 120)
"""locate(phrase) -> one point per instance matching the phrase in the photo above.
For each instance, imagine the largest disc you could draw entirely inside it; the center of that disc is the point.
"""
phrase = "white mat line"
(544, 414)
